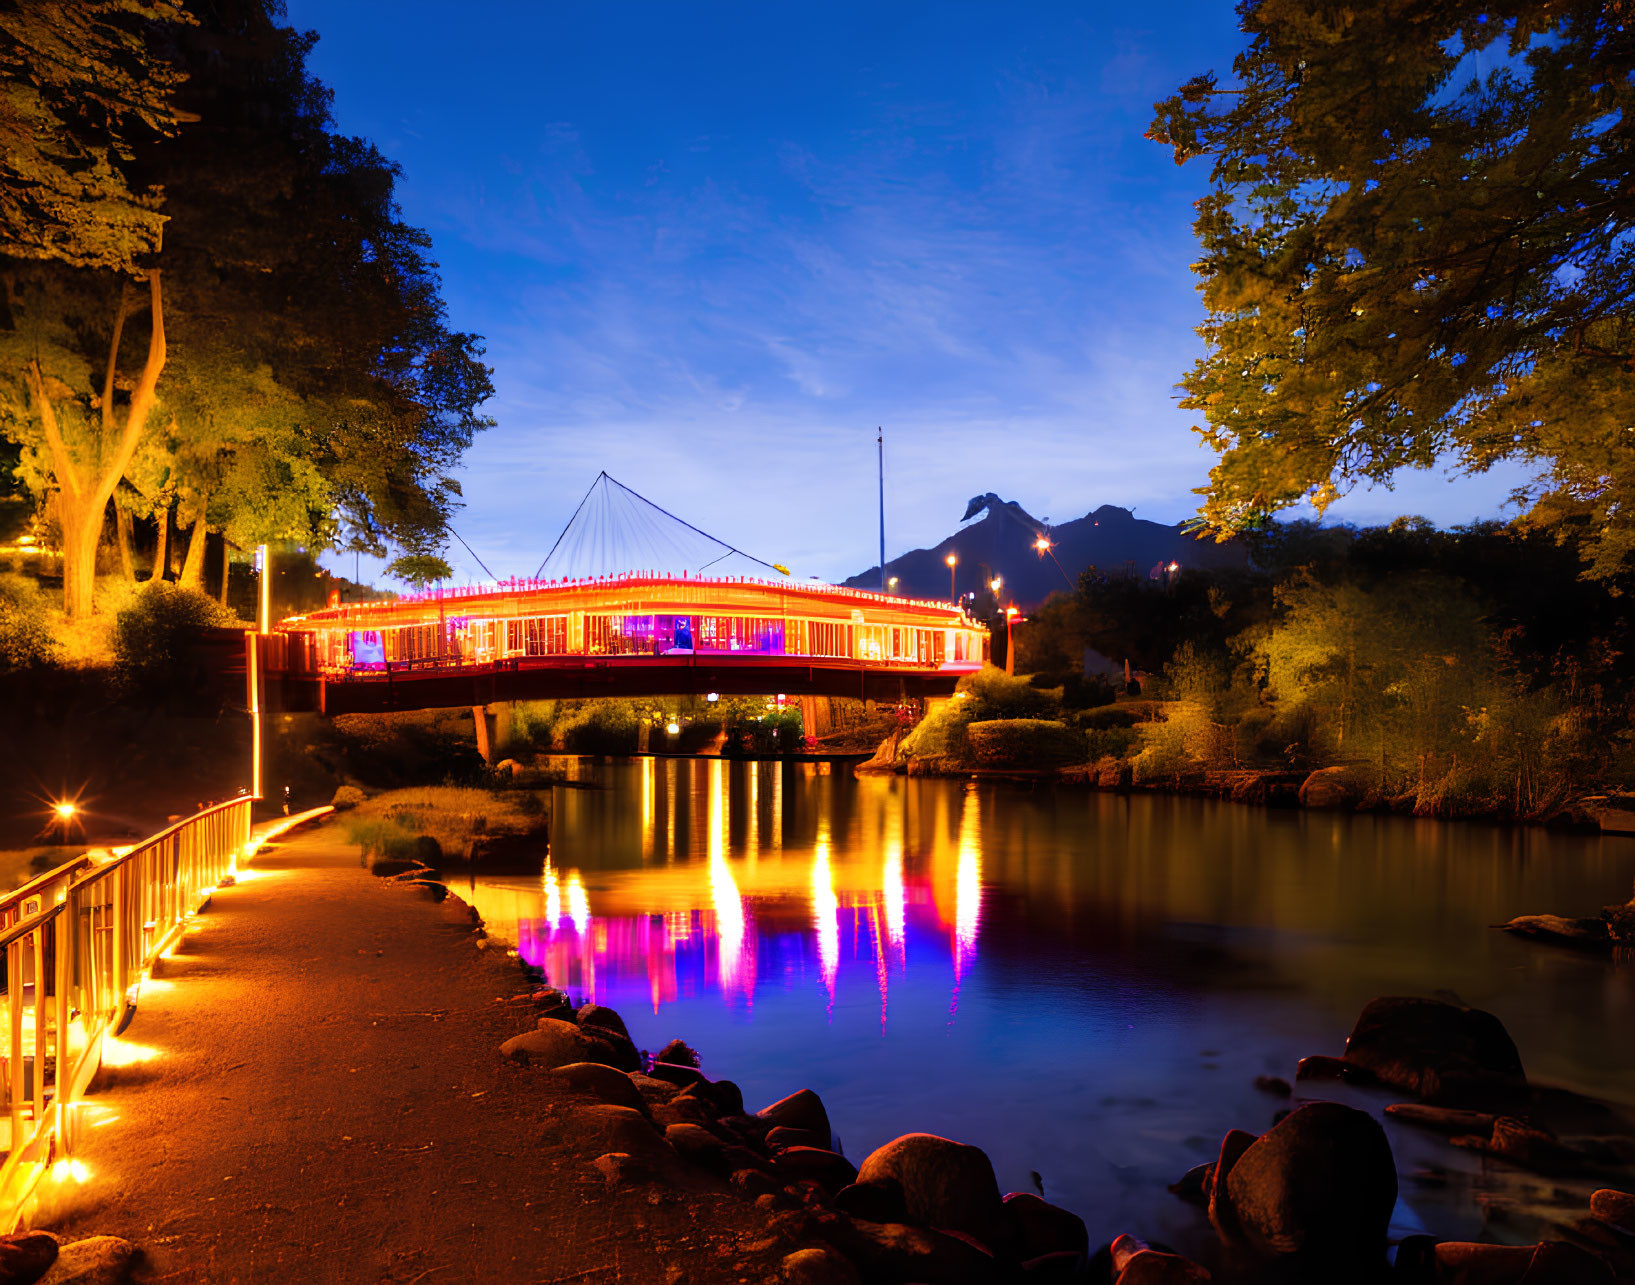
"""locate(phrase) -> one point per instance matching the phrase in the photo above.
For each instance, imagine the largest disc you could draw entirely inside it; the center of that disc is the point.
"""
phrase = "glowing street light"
(953, 561)
(995, 584)
(1011, 614)
(1041, 546)
(65, 816)
(891, 585)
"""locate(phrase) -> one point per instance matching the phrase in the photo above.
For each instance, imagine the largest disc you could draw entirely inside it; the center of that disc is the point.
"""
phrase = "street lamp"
(1010, 651)
(891, 585)
(995, 583)
(953, 561)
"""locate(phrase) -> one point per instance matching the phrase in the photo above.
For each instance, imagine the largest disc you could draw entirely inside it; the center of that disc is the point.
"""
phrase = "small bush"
(347, 797)
(381, 837)
(154, 637)
(1025, 743)
(1106, 716)
(25, 629)
(1008, 696)
(426, 849)
(1110, 742)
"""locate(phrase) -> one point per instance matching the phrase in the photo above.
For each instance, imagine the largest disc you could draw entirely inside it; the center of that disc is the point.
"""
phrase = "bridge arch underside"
(630, 677)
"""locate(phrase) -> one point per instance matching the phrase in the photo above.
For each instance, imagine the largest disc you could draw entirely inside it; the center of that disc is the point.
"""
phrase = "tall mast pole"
(880, 447)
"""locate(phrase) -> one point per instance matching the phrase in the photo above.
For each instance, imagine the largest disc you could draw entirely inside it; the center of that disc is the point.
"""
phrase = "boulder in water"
(945, 1184)
(599, 1015)
(1437, 1051)
(1040, 1228)
(1594, 935)
(1318, 1187)
(802, 1109)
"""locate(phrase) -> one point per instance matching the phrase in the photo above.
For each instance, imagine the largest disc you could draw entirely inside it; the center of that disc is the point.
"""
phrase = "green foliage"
(347, 797)
(26, 640)
(79, 80)
(1025, 743)
(154, 638)
(1110, 742)
(986, 695)
(1416, 242)
(309, 381)
(420, 570)
(598, 726)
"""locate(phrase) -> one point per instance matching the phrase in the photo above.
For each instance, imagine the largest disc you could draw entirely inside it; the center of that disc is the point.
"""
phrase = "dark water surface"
(1083, 984)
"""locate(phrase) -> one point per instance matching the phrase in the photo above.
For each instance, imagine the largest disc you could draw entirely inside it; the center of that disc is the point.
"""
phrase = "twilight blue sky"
(712, 246)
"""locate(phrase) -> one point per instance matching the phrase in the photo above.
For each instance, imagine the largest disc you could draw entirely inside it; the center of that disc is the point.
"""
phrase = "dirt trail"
(326, 1102)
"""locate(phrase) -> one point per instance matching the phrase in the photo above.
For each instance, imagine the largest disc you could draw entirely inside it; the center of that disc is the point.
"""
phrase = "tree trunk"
(81, 533)
(226, 569)
(127, 560)
(83, 492)
(193, 564)
(161, 548)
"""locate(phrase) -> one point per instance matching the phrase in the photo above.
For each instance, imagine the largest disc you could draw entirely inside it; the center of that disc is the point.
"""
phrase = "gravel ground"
(323, 1100)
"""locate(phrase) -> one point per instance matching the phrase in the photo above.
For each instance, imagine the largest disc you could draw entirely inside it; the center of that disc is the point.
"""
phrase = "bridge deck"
(570, 677)
(327, 1103)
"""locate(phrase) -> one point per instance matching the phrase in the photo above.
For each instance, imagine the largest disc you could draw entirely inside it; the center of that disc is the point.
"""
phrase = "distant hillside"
(1003, 542)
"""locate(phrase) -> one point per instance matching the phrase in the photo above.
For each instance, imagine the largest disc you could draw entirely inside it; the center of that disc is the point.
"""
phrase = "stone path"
(322, 1100)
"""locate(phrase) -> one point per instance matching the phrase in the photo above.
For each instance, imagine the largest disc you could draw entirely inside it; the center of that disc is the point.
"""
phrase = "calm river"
(1085, 985)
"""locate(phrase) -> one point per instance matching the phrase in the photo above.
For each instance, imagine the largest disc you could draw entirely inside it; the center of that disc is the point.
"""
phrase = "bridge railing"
(73, 943)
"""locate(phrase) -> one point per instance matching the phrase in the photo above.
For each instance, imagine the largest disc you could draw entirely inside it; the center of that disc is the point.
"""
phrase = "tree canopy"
(79, 85)
(1417, 247)
(301, 377)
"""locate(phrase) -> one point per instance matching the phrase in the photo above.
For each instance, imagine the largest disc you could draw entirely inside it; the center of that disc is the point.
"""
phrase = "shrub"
(1007, 696)
(154, 638)
(597, 727)
(25, 630)
(381, 837)
(1107, 716)
(347, 797)
(1110, 742)
(1025, 742)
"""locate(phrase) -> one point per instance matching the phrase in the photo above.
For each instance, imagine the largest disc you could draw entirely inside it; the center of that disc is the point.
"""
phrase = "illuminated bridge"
(574, 630)
(628, 635)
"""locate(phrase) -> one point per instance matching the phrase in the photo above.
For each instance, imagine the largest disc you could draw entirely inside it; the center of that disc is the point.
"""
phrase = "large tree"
(310, 376)
(1417, 247)
(80, 84)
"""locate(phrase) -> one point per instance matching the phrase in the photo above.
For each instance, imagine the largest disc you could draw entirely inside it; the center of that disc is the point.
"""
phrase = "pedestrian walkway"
(311, 1091)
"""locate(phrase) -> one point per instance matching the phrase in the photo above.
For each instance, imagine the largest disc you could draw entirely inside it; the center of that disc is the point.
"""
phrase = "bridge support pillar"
(502, 712)
(485, 744)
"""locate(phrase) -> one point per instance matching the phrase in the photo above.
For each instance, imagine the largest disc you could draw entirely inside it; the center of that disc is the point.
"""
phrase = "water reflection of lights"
(710, 919)
(578, 904)
(892, 883)
(825, 912)
(968, 884)
(553, 897)
(725, 897)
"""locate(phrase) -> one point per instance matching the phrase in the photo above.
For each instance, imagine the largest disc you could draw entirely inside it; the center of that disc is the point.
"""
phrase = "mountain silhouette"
(1002, 543)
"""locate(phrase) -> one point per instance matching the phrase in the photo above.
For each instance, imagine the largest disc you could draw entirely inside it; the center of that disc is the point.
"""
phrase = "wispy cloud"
(713, 268)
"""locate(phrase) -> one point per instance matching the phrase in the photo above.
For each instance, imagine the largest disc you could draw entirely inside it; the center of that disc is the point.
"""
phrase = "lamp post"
(1010, 651)
(891, 585)
(953, 561)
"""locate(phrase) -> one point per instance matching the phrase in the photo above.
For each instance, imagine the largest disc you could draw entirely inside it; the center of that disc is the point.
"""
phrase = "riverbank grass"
(445, 822)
